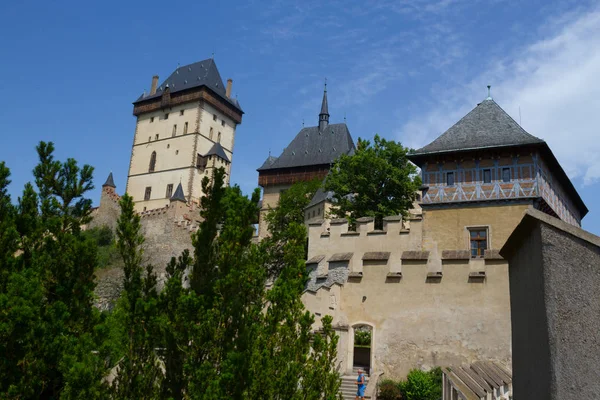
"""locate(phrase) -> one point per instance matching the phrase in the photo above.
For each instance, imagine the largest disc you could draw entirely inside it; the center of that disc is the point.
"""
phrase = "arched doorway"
(362, 353)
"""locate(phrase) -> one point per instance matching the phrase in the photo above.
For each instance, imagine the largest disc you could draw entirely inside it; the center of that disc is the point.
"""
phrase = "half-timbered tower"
(185, 127)
(307, 157)
(480, 175)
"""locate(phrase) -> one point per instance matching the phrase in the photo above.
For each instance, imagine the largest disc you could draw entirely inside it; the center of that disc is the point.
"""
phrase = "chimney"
(228, 91)
(154, 85)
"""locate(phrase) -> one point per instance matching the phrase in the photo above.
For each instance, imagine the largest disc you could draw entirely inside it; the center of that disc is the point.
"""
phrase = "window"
(151, 119)
(148, 193)
(185, 126)
(144, 208)
(210, 134)
(181, 112)
(450, 178)
(487, 176)
(149, 138)
(505, 174)
(167, 116)
(214, 117)
(319, 211)
(478, 239)
(176, 152)
(222, 122)
(200, 161)
(168, 146)
(156, 137)
(152, 162)
(169, 191)
(219, 137)
(174, 130)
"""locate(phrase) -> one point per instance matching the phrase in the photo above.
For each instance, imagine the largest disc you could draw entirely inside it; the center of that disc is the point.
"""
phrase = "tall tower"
(185, 128)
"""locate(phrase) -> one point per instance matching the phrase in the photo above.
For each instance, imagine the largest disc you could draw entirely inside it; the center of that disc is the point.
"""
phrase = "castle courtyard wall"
(424, 310)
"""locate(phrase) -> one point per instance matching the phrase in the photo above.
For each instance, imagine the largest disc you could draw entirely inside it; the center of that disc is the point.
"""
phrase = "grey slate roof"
(201, 73)
(268, 162)
(313, 147)
(178, 195)
(319, 196)
(487, 125)
(110, 181)
(218, 151)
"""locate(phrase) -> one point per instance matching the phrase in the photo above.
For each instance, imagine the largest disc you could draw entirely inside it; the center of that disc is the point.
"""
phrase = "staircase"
(348, 388)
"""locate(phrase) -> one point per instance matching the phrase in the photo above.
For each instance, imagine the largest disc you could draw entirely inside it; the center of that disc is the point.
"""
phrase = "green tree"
(420, 385)
(47, 322)
(139, 375)
(281, 221)
(376, 181)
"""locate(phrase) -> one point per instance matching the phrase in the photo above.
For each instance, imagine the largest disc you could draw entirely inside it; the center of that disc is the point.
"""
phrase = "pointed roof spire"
(324, 114)
(324, 106)
(110, 181)
(178, 195)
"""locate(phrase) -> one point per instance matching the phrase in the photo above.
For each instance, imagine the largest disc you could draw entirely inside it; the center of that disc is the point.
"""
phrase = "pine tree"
(46, 286)
(139, 375)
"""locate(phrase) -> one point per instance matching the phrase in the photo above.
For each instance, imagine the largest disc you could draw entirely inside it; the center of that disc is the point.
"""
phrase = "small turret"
(324, 114)
(178, 195)
(110, 182)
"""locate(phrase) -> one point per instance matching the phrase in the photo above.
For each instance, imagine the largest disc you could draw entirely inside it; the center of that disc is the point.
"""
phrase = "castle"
(432, 288)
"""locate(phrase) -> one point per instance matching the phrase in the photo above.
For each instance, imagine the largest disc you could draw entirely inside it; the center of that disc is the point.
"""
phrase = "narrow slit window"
(174, 130)
(185, 128)
(156, 137)
(478, 239)
(487, 176)
(148, 193)
(505, 174)
(167, 116)
(222, 122)
(152, 165)
(219, 137)
(214, 117)
(151, 119)
(181, 112)
(210, 134)
(450, 178)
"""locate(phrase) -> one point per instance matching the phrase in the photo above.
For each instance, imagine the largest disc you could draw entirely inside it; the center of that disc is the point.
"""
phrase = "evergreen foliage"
(139, 374)
(213, 332)
(377, 180)
(47, 322)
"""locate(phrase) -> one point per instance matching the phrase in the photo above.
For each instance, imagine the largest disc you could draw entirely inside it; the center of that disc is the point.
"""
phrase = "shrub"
(389, 390)
(419, 385)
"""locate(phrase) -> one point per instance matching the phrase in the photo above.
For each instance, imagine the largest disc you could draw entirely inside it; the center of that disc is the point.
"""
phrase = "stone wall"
(555, 308)
(167, 231)
(424, 310)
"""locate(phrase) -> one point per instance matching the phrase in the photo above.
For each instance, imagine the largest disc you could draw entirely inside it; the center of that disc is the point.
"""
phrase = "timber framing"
(201, 94)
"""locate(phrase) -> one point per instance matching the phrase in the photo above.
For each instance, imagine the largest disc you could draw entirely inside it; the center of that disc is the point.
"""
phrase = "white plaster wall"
(176, 152)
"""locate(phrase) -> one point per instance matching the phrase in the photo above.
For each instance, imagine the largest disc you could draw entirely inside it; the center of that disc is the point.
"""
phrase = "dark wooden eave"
(202, 93)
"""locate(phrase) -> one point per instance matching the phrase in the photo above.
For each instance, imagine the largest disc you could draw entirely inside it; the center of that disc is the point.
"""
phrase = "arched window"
(219, 138)
(210, 135)
(152, 162)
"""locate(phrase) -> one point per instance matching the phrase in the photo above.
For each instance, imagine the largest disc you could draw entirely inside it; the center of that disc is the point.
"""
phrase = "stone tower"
(185, 128)
(308, 156)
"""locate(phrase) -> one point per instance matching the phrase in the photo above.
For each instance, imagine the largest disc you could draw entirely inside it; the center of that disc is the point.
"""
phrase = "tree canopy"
(214, 331)
(377, 180)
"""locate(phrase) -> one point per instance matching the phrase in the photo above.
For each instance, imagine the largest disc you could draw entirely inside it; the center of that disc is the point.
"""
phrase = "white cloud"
(553, 81)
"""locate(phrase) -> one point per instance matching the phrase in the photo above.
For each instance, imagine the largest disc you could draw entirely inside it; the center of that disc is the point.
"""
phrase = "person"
(360, 385)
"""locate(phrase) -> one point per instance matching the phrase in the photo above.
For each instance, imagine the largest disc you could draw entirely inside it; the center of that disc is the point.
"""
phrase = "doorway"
(363, 343)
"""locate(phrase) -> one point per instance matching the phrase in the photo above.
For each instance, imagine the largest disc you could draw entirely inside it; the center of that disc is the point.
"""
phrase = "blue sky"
(405, 69)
